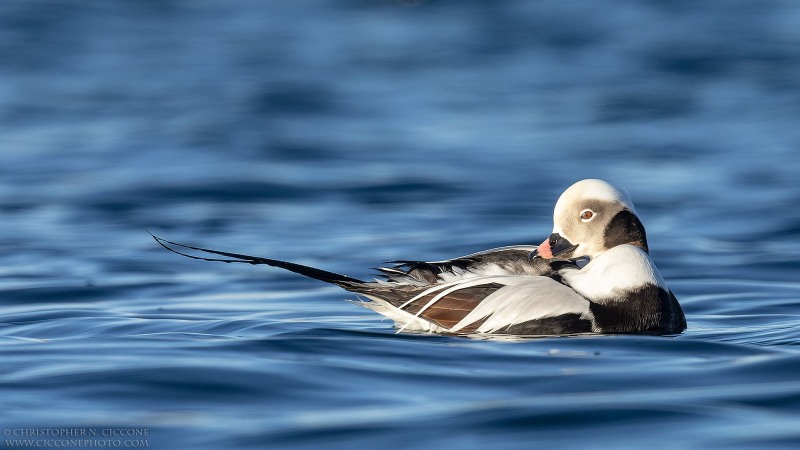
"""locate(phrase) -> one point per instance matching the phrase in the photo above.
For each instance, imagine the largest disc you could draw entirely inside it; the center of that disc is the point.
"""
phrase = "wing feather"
(513, 260)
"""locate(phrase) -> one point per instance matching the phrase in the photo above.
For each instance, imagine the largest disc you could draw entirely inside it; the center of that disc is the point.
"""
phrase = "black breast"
(646, 310)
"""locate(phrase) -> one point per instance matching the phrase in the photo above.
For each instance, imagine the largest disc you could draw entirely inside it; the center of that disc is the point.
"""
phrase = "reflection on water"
(342, 134)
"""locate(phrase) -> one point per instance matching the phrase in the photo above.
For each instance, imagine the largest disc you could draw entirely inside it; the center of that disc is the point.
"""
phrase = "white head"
(590, 217)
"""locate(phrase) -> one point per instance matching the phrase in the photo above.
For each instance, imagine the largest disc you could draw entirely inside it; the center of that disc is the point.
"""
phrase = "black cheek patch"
(625, 228)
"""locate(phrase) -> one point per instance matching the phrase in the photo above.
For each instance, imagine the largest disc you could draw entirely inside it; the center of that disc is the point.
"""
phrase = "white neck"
(616, 271)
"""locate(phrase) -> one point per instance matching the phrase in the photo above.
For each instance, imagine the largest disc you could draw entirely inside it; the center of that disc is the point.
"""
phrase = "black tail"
(311, 272)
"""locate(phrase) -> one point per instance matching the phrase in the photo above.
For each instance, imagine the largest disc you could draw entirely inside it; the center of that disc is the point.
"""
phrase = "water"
(341, 134)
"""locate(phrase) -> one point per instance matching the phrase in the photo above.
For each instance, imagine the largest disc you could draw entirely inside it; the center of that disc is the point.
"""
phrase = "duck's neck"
(619, 270)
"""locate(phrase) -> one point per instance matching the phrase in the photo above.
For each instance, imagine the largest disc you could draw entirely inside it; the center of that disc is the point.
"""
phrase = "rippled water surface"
(341, 134)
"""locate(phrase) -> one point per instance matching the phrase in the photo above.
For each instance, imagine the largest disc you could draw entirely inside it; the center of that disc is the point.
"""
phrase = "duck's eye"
(587, 215)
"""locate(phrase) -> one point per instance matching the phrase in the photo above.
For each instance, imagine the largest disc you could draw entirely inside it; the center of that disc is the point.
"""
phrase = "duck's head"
(590, 217)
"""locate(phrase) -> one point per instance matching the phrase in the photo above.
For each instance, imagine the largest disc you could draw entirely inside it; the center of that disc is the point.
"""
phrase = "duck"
(592, 275)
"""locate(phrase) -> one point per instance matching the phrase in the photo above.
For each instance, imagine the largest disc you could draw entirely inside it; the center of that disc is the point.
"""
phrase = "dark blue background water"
(344, 133)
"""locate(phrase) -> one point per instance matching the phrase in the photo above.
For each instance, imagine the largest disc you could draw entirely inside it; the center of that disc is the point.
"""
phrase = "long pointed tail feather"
(311, 272)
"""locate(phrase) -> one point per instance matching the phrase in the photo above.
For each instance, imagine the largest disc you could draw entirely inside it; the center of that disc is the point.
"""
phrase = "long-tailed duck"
(548, 289)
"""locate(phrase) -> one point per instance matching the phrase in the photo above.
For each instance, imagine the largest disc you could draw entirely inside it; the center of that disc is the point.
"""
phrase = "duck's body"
(526, 290)
(620, 291)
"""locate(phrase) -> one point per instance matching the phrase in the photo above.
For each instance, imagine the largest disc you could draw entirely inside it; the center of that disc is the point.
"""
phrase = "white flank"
(523, 299)
(401, 318)
(470, 282)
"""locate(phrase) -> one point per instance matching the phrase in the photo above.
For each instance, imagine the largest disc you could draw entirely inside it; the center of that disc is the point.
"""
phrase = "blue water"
(344, 133)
